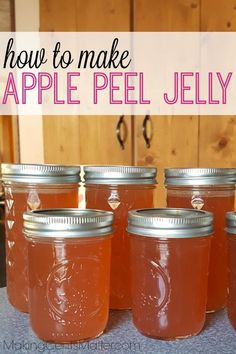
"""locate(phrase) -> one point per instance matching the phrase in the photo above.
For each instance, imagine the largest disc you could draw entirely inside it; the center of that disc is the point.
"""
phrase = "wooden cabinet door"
(174, 138)
(85, 139)
(217, 134)
(8, 124)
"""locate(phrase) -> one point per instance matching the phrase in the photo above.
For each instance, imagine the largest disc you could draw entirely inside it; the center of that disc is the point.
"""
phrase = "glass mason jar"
(69, 272)
(210, 189)
(2, 240)
(29, 187)
(169, 263)
(119, 189)
(231, 298)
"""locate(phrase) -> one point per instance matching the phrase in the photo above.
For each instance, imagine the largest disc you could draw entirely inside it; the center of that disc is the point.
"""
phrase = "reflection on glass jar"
(30, 187)
(169, 270)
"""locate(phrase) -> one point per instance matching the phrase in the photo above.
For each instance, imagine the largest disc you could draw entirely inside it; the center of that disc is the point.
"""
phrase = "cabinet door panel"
(103, 15)
(9, 151)
(217, 146)
(174, 144)
(175, 139)
(85, 139)
(218, 15)
(99, 144)
(57, 15)
(167, 15)
(61, 139)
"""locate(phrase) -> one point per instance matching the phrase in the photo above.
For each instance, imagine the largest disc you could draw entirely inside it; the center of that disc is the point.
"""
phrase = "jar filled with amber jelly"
(29, 187)
(119, 189)
(210, 189)
(2, 239)
(231, 240)
(169, 270)
(69, 272)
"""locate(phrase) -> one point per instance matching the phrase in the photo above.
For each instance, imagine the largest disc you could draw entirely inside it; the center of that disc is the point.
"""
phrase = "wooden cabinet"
(8, 139)
(174, 138)
(177, 141)
(217, 134)
(166, 15)
(8, 124)
(85, 139)
(174, 144)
